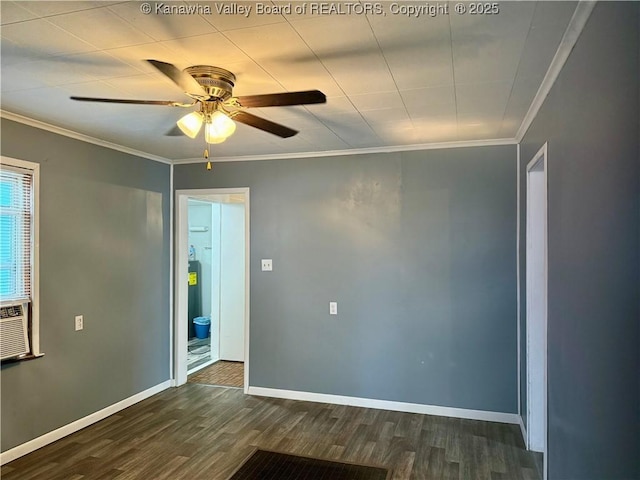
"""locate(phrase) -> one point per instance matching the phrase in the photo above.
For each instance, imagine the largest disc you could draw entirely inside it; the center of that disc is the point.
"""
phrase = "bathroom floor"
(198, 352)
(228, 374)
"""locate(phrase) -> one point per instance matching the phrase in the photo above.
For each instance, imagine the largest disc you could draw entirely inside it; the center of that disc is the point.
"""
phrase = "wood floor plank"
(199, 432)
(404, 465)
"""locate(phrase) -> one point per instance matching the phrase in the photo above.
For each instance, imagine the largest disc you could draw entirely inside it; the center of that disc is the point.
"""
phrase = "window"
(19, 309)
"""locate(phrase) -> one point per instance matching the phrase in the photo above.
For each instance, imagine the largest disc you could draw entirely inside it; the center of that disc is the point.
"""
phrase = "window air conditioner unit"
(14, 338)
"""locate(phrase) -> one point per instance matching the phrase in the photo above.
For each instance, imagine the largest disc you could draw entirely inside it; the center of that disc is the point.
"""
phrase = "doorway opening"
(212, 287)
(536, 301)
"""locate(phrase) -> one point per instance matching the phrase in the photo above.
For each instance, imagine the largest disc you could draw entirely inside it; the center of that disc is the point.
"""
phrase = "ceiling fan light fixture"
(191, 124)
(219, 127)
(211, 137)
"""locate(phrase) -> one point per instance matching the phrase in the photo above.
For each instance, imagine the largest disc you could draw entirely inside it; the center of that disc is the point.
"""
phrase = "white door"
(536, 235)
(232, 282)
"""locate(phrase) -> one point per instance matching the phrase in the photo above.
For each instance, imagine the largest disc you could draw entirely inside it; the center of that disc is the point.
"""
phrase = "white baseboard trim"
(57, 434)
(512, 418)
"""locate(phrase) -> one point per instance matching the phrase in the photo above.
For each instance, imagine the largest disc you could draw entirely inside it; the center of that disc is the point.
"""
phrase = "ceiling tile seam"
(132, 25)
(106, 51)
(99, 49)
(95, 47)
(453, 75)
(269, 74)
(122, 89)
(140, 73)
(293, 27)
(337, 134)
(57, 54)
(160, 40)
(104, 80)
(206, 20)
(320, 61)
(336, 82)
(368, 125)
(96, 7)
(274, 22)
(45, 17)
(257, 64)
(2, 24)
(17, 22)
(136, 64)
(515, 75)
(386, 62)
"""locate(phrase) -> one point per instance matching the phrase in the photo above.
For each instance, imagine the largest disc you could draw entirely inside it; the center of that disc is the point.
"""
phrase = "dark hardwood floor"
(199, 432)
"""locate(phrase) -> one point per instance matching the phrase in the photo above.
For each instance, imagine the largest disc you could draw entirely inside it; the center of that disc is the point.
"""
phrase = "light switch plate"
(79, 322)
(267, 265)
(333, 308)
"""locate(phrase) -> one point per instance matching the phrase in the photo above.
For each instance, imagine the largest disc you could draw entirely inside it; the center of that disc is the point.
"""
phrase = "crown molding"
(246, 158)
(355, 151)
(572, 33)
(80, 136)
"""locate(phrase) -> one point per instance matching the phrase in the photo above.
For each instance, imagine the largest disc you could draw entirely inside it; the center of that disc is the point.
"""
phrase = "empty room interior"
(392, 240)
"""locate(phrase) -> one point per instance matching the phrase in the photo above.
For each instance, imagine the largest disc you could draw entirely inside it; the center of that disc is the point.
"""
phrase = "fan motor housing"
(217, 81)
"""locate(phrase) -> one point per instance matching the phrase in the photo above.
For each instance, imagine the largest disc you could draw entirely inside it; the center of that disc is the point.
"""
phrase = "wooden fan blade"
(133, 102)
(185, 81)
(283, 99)
(263, 124)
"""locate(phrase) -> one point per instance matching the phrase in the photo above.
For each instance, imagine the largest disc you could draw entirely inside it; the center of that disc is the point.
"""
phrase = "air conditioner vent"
(14, 339)
(11, 311)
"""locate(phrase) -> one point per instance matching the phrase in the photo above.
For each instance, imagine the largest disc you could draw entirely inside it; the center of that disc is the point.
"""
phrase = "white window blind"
(16, 225)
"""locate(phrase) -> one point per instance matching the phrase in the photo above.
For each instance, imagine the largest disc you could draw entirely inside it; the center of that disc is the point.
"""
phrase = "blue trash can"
(202, 326)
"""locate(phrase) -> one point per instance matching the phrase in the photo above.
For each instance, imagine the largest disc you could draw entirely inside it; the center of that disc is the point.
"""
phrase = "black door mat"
(267, 465)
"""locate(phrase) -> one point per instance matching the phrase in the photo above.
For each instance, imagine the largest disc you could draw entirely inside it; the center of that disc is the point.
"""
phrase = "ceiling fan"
(211, 89)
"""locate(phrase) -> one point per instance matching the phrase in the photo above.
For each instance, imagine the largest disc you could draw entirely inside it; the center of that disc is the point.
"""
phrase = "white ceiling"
(390, 80)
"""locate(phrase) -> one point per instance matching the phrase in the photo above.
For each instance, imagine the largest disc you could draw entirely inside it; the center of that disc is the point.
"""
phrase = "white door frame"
(182, 272)
(536, 305)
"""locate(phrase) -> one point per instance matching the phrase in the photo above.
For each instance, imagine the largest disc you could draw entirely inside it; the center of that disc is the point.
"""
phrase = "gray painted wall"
(104, 253)
(417, 248)
(591, 122)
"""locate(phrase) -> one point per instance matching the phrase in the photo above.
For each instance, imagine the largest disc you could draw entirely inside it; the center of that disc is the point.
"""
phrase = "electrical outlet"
(333, 308)
(79, 322)
(267, 265)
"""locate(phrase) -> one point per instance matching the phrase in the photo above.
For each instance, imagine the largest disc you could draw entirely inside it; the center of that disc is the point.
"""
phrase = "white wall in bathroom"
(200, 216)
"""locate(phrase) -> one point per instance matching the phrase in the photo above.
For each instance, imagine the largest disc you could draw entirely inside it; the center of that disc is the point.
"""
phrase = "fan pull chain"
(206, 157)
